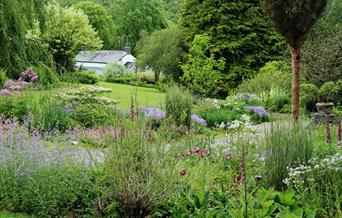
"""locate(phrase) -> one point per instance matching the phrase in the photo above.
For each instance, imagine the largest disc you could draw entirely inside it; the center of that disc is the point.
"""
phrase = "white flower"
(222, 125)
(74, 142)
(245, 118)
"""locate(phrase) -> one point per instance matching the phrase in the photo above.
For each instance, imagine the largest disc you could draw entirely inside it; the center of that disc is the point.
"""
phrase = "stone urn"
(324, 107)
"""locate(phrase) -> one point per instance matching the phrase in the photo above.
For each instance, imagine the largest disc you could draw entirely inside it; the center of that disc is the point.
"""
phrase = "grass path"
(144, 96)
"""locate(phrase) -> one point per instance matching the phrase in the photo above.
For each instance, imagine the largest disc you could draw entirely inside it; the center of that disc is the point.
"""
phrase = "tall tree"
(294, 19)
(16, 18)
(100, 20)
(238, 31)
(68, 30)
(162, 51)
(134, 17)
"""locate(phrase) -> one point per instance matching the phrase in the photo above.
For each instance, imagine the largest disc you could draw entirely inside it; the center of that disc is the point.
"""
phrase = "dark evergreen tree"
(294, 19)
(238, 32)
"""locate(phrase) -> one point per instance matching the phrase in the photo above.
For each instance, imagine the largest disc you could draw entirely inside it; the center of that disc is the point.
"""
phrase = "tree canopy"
(68, 31)
(16, 18)
(322, 50)
(162, 51)
(101, 21)
(135, 16)
(238, 32)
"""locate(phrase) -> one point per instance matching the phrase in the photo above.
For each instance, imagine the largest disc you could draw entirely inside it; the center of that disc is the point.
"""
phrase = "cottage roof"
(104, 56)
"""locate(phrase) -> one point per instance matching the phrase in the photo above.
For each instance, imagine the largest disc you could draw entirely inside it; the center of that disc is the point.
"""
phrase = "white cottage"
(97, 60)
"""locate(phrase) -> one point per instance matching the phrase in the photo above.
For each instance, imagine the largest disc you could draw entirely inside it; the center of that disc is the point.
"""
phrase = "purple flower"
(153, 113)
(259, 110)
(10, 83)
(198, 119)
(4, 92)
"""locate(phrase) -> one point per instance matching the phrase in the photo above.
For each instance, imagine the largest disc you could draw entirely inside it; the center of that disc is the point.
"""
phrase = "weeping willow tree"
(17, 50)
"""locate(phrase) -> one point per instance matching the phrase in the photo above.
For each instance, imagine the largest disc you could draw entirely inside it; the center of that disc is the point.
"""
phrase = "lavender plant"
(43, 181)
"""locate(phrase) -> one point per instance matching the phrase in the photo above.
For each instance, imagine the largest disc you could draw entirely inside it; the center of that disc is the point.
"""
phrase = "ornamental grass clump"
(287, 145)
(140, 169)
(178, 105)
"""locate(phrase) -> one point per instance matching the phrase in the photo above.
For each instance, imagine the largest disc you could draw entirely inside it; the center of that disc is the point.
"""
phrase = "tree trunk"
(295, 52)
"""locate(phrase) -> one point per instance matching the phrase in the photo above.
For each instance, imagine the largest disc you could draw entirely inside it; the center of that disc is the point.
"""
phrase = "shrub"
(88, 107)
(287, 145)
(15, 106)
(326, 92)
(47, 77)
(218, 116)
(89, 115)
(113, 70)
(309, 96)
(87, 78)
(49, 114)
(276, 100)
(178, 105)
(273, 74)
(3, 78)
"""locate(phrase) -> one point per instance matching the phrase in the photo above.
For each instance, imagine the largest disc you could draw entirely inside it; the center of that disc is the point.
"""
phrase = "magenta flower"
(229, 155)
(196, 150)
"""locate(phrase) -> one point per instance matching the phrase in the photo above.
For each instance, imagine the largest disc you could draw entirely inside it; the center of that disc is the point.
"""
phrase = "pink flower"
(229, 154)
(196, 150)
(202, 155)
(4, 92)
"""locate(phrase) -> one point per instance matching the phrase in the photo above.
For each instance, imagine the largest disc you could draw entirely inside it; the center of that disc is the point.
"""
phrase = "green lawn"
(144, 96)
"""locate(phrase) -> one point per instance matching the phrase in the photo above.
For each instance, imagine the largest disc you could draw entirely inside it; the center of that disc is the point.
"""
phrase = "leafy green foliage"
(273, 74)
(322, 51)
(201, 73)
(309, 96)
(16, 18)
(113, 71)
(178, 104)
(132, 17)
(87, 78)
(331, 92)
(100, 20)
(68, 30)
(3, 78)
(14, 107)
(287, 145)
(238, 32)
(162, 52)
(47, 77)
